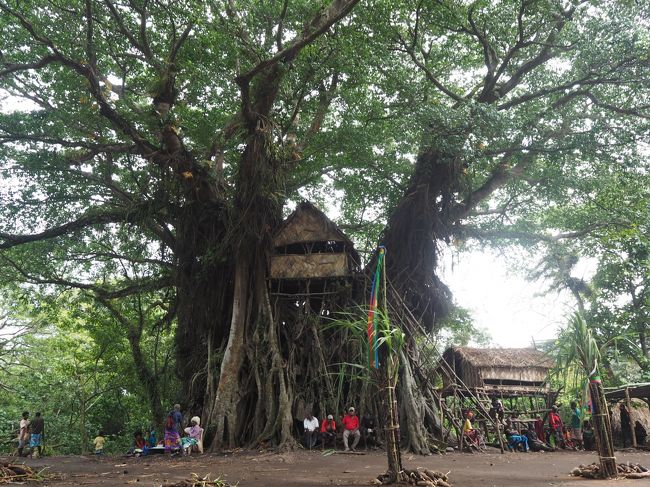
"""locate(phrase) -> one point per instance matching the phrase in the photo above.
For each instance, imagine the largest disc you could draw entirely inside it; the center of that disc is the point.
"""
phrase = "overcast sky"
(513, 310)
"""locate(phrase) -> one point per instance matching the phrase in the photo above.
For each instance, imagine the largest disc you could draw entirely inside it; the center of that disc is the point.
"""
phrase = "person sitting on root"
(351, 425)
(515, 439)
(368, 431)
(328, 431)
(311, 430)
(534, 443)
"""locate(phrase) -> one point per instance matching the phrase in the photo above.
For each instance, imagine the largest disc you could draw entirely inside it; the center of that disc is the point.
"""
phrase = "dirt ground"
(305, 468)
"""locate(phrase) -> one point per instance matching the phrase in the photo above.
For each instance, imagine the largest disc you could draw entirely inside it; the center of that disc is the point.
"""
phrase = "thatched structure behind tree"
(500, 371)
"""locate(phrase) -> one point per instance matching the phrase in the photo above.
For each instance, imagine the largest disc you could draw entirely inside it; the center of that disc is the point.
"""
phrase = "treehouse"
(311, 256)
(500, 372)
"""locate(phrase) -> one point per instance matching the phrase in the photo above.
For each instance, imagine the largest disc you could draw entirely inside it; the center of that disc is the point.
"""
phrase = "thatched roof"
(501, 357)
(308, 224)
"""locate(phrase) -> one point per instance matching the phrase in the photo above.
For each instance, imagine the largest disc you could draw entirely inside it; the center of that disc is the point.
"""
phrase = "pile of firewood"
(421, 477)
(197, 481)
(17, 473)
(627, 470)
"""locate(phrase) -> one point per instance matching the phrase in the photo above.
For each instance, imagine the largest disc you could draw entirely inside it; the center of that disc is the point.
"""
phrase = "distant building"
(497, 371)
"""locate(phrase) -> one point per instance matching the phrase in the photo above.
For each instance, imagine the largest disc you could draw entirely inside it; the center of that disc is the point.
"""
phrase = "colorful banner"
(373, 318)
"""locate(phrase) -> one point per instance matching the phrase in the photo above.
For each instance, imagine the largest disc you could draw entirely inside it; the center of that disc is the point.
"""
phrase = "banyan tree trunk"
(603, 428)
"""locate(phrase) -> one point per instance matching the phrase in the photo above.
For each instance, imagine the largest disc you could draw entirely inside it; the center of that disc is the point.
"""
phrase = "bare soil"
(304, 468)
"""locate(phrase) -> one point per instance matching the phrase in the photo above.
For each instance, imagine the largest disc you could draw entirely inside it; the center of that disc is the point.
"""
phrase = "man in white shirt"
(23, 435)
(311, 430)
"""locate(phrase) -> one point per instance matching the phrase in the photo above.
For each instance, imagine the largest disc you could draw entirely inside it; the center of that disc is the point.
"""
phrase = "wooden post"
(628, 401)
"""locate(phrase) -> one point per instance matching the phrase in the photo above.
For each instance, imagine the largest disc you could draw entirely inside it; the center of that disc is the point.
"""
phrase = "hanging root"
(626, 470)
(421, 477)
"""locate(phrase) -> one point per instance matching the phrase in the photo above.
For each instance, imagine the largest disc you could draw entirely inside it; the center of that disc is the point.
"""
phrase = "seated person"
(153, 437)
(472, 436)
(534, 442)
(368, 430)
(311, 430)
(351, 428)
(194, 438)
(515, 439)
(328, 431)
(139, 444)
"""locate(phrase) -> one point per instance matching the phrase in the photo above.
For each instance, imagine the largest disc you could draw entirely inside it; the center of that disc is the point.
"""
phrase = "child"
(99, 443)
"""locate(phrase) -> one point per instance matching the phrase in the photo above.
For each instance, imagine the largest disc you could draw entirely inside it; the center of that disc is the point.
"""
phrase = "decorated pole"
(382, 335)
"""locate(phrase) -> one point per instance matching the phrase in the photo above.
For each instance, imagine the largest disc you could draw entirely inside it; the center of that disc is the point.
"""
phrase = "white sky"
(513, 310)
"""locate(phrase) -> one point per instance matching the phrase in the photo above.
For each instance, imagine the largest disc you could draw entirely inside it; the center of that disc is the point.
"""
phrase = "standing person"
(626, 426)
(99, 443)
(576, 426)
(38, 435)
(328, 431)
(351, 425)
(23, 433)
(172, 437)
(310, 424)
(555, 422)
(178, 418)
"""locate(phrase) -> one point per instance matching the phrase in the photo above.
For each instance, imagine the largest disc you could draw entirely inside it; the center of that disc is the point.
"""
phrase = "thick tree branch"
(96, 217)
(115, 292)
(13, 68)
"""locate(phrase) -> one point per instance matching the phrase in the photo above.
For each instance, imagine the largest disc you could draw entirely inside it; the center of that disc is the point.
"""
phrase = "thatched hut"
(502, 371)
(308, 246)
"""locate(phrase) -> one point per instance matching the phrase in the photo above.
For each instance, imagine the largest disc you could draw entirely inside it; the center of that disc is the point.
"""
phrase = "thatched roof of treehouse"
(308, 225)
(514, 369)
(502, 357)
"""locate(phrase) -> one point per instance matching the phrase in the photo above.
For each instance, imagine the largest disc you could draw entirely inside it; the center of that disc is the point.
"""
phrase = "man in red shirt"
(555, 422)
(351, 425)
(328, 430)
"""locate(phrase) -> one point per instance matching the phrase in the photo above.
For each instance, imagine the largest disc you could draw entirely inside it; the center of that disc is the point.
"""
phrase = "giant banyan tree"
(151, 147)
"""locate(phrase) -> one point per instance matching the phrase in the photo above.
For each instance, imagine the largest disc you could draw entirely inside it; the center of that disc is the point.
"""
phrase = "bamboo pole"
(628, 401)
(602, 428)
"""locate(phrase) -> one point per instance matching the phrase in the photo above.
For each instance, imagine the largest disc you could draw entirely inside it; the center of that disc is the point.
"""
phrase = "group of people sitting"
(531, 435)
(176, 440)
(354, 429)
